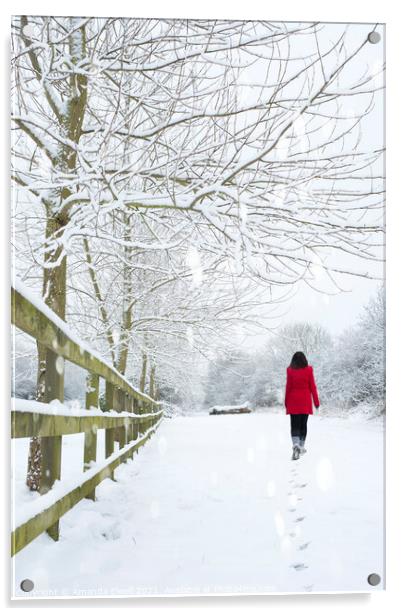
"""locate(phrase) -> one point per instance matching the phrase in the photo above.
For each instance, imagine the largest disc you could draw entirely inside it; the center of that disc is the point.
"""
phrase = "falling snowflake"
(60, 365)
(279, 524)
(271, 489)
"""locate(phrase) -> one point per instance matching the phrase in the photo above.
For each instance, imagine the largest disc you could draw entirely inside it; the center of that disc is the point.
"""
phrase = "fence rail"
(140, 417)
(28, 423)
(54, 334)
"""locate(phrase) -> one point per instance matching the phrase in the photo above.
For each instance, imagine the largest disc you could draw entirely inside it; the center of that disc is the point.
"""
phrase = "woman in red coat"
(301, 391)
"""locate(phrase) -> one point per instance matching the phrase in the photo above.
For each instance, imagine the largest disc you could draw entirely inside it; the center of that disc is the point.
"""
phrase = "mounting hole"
(374, 37)
(27, 585)
(374, 579)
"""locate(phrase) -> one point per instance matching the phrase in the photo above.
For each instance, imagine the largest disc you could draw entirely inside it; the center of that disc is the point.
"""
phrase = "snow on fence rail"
(30, 314)
(130, 419)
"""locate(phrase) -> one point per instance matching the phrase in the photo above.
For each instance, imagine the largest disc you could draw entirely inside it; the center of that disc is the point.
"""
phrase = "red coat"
(300, 387)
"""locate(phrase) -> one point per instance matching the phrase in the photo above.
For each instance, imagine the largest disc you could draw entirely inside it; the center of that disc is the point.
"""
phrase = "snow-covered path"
(215, 505)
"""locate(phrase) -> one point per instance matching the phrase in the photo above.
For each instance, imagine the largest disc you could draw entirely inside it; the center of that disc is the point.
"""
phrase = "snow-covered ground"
(215, 505)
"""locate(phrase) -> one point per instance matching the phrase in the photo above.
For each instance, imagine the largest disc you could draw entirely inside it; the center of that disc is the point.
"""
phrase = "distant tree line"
(349, 368)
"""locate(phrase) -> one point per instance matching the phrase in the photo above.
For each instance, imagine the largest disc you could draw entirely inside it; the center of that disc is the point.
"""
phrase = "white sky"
(335, 312)
(340, 310)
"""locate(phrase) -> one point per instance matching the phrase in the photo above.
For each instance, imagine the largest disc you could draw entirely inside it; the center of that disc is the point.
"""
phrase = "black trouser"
(298, 426)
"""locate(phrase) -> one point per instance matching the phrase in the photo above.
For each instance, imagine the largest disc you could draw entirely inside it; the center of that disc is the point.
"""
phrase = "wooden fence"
(140, 416)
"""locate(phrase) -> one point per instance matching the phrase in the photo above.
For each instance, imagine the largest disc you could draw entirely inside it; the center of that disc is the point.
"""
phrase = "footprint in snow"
(304, 545)
(300, 519)
(291, 510)
(302, 485)
(309, 587)
(299, 566)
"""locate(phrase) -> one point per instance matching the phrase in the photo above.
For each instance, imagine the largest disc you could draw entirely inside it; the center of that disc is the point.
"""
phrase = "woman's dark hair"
(299, 360)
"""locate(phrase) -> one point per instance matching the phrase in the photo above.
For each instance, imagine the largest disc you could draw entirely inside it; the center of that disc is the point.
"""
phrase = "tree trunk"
(143, 378)
(55, 276)
(152, 381)
(35, 456)
(127, 316)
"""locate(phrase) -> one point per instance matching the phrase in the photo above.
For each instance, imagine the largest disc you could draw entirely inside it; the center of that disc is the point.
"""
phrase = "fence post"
(150, 419)
(127, 408)
(91, 399)
(123, 429)
(51, 445)
(119, 433)
(143, 412)
(109, 432)
(139, 425)
(130, 434)
(135, 422)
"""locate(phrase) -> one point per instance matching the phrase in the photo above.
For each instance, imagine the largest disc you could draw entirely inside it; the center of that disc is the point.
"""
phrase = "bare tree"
(135, 141)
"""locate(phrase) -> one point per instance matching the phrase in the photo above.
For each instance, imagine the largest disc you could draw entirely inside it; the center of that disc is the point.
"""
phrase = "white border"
(339, 11)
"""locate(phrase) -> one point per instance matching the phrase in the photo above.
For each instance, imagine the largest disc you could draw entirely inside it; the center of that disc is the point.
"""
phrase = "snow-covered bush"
(357, 371)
